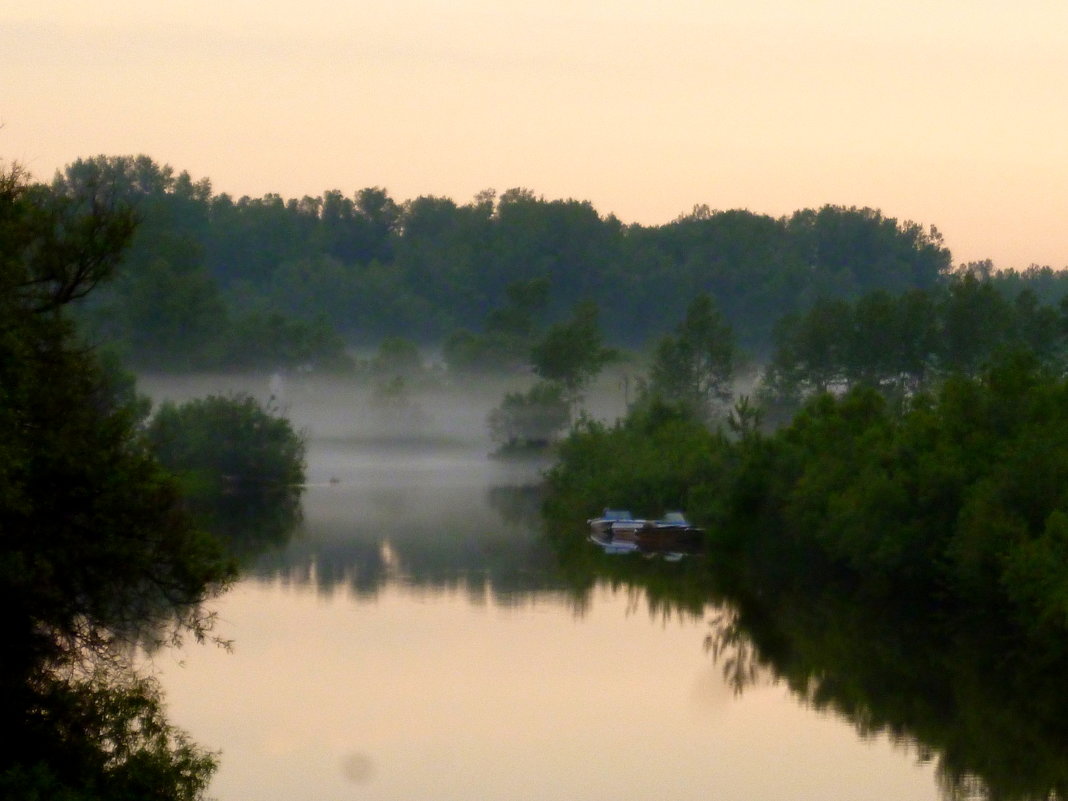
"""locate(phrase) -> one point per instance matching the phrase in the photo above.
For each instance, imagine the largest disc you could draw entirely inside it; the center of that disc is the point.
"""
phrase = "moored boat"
(615, 522)
(671, 532)
(618, 531)
(610, 544)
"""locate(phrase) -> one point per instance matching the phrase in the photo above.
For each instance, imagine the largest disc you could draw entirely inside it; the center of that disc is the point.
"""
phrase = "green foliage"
(897, 557)
(180, 318)
(530, 419)
(810, 349)
(959, 496)
(397, 356)
(901, 344)
(658, 460)
(228, 442)
(962, 683)
(275, 342)
(104, 737)
(975, 319)
(567, 357)
(97, 552)
(468, 353)
(518, 318)
(509, 335)
(694, 367)
(371, 267)
(166, 306)
(241, 466)
(572, 353)
(956, 498)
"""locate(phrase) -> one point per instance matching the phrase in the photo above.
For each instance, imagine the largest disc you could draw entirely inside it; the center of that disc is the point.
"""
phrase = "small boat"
(672, 536)
(671, 532)
(614, 531)
(615, 522)
(611, 545)
(676, 521)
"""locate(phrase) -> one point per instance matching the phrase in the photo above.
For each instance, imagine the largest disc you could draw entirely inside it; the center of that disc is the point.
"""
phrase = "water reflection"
(733, 651)
(251, 524)
(535, 661)
(990, 712)
(420, 637)
(431, 518)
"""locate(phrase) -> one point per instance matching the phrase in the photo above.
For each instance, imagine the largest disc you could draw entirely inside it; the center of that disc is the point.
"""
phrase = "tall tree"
(694, 366)
(529, 419)
(811, 348)
(975, 319)
(573, 352)
(96, 552)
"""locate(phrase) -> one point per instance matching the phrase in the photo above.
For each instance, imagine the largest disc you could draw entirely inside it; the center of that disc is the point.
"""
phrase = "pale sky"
(951, 113)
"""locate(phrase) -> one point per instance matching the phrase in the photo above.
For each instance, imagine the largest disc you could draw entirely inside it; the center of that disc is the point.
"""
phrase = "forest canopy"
(214, 281)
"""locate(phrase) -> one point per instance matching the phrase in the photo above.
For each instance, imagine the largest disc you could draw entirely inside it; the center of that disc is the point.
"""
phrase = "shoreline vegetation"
(105, 553)
(953, 499)
(901, 448)
(886, 518)
(899, 562)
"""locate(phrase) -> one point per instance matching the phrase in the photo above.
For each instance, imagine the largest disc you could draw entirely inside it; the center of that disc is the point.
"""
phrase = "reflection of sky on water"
(440, 516)
(415, 641)
(417, 696)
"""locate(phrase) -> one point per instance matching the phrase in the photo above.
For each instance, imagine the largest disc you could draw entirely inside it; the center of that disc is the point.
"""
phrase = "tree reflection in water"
(990, 711)
(486, 543)
(989, 708)
(252, 524)
(733, 651)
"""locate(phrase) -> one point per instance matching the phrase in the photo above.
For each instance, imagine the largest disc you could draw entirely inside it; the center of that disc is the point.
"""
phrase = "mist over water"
(403, 492)
(398, 493)
(415, 639)
(329, 407)
(434, 413)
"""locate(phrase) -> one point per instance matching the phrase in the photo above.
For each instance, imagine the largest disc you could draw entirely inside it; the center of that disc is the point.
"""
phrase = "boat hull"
(617, 532)
(669, 537)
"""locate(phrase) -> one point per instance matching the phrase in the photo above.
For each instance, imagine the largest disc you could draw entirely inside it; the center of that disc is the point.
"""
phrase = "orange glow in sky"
(950, 113)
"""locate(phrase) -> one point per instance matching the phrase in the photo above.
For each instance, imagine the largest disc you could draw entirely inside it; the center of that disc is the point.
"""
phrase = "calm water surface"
(414, 641)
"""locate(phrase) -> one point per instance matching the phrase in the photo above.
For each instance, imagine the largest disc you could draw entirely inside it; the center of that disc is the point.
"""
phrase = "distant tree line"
(900, 344)
(912, 442)
(211, 280)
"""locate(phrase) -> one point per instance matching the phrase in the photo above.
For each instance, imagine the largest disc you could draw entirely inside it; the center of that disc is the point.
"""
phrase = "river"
(416, 639)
